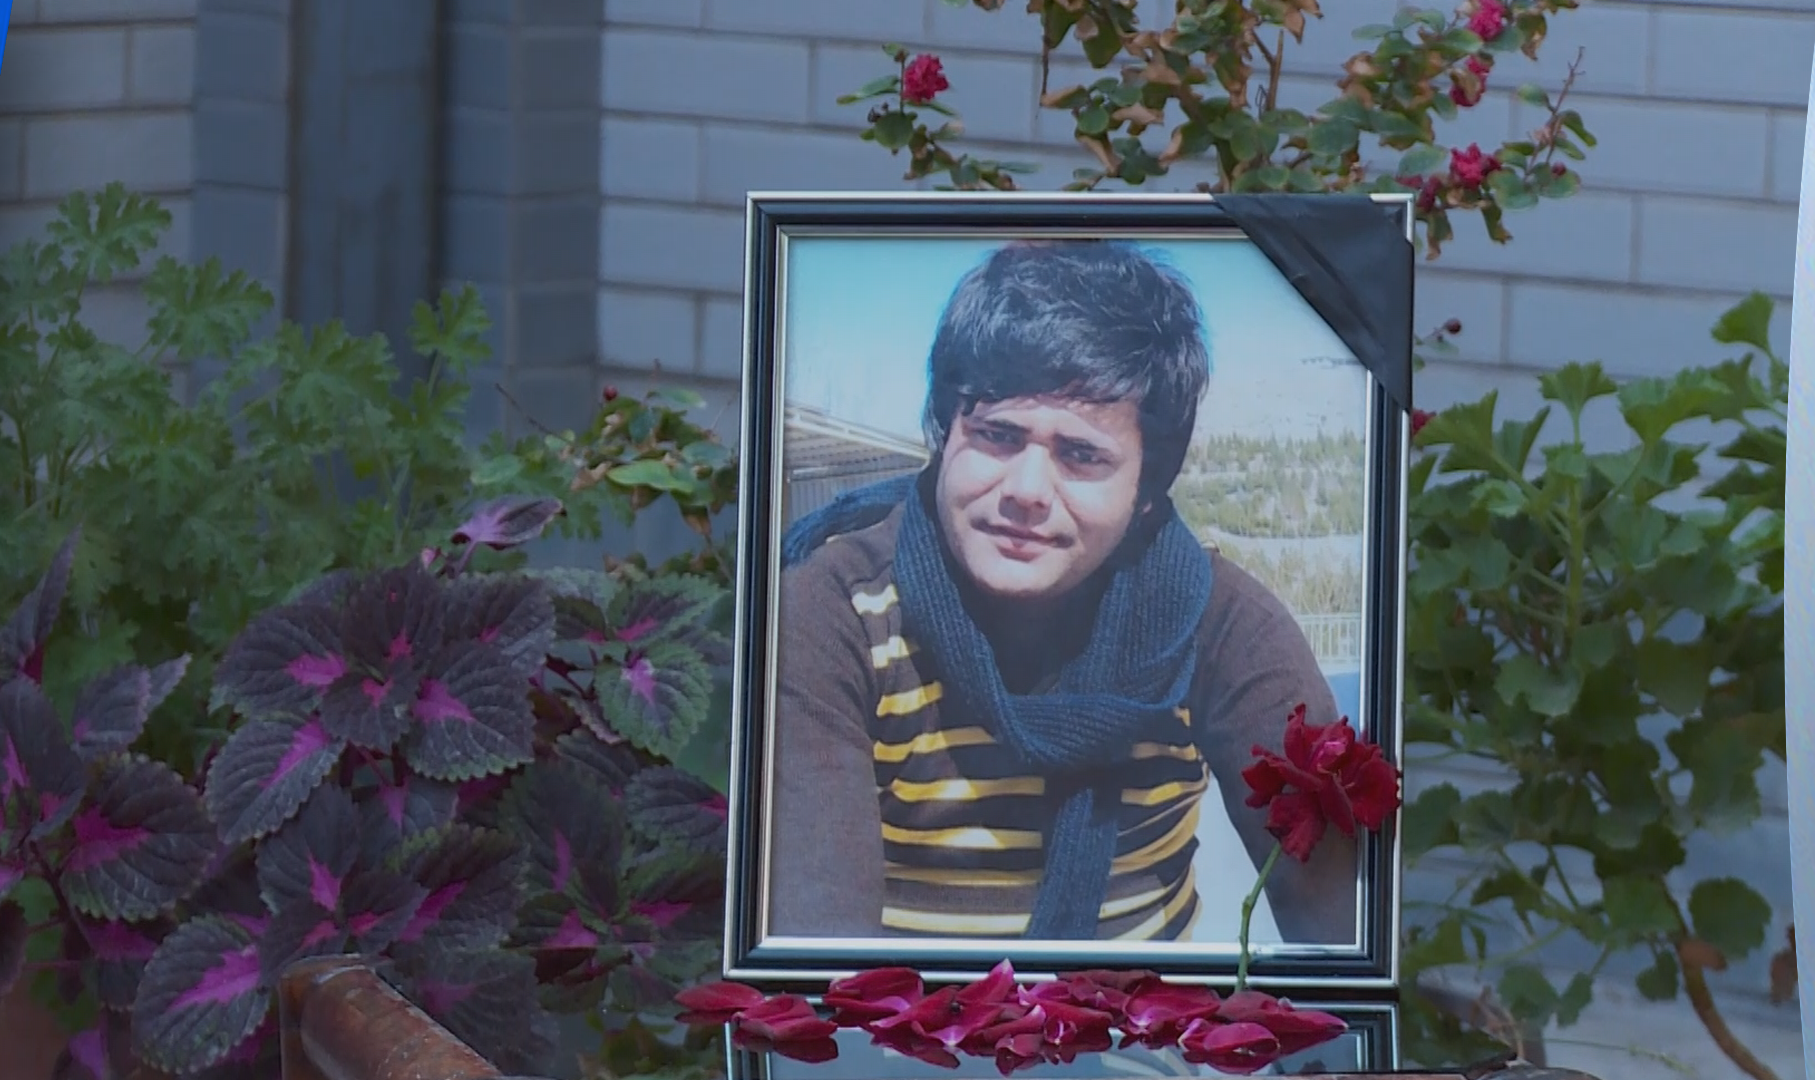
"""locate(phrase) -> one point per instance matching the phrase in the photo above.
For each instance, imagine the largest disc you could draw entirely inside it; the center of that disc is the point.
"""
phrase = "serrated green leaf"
(1747, 323)
(1730, 915)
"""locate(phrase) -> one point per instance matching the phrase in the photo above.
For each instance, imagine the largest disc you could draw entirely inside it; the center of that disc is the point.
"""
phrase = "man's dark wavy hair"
(1090, 320)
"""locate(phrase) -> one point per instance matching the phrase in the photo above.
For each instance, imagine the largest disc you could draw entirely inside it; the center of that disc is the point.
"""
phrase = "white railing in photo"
(1335, 639)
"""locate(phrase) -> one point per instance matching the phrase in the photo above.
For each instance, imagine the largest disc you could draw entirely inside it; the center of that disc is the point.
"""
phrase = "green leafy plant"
(1207, 89)
(308, 452)
(1606, 626)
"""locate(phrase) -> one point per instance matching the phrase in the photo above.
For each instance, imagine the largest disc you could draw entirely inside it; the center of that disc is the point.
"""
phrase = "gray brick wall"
(94, 91)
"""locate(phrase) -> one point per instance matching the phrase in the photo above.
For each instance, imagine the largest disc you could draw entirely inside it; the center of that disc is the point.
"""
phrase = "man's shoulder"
(1241, 606)
(847, 563)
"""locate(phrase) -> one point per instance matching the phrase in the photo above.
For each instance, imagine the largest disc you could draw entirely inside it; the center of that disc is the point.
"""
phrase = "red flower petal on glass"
(910, 1043)
(873, 995)
(998, 987)
(1296, 1029)
(962, 1025)
(813, 1051)
(1022, 1034)
(785, 1018)
(723, 1000)
(933, 1007)
(1165, 1010)
(1240, 1048)
(1067, 1023)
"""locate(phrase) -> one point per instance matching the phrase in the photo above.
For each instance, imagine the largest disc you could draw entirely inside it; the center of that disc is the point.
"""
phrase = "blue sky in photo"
(861, 312)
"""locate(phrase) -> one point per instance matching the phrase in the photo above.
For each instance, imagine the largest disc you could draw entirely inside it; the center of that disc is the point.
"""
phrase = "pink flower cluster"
(1018, 1025)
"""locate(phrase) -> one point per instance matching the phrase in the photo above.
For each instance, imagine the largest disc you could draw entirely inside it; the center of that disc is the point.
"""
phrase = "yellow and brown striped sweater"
(894, 815)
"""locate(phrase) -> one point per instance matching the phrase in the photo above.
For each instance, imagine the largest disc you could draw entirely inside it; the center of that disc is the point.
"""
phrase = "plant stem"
(1248, 904)
(1695, 988)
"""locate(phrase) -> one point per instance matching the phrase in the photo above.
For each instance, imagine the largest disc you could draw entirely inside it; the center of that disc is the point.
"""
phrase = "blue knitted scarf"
(1124, 686)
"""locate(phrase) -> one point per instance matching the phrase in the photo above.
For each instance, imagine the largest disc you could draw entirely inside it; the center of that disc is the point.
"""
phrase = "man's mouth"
(1018, 540)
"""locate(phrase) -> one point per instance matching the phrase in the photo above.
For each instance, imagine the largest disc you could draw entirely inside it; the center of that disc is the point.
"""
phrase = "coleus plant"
(463, 777)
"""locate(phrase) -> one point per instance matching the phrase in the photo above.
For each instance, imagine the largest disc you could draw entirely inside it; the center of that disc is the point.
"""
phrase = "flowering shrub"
(1326, 778)
(464, 776)
(1207, 89)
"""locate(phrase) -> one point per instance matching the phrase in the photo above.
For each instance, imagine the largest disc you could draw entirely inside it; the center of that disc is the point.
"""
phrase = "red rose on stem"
(1489, 20)
(923, 79)
(1471, 167)
(1326, 777)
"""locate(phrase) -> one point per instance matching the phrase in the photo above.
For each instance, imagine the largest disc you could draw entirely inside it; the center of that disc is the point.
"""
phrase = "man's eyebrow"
(1073, 442)
(1006, 426)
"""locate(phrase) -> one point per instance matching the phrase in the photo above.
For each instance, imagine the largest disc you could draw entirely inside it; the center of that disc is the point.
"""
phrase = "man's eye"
(1079, 456)
(998, 438)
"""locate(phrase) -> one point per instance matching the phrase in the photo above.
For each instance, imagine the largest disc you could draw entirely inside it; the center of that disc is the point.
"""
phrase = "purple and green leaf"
(509, 521)
(142, 842)
(514, 615)
(299, 931)
(377, 905)
(111, 711)
(395, 620)
(394, 812)
(283, 661)
(28, 628)
(572, 830)
(41, 778)
(201, 996)
(671, 610)
(667, 806)
(658, 699)
(120, 951)
(311, 856)
(487, 999)
(471, 880)
(473, 716)
(609, 764)
(101, 1051)
(265, 772)
(372, 711)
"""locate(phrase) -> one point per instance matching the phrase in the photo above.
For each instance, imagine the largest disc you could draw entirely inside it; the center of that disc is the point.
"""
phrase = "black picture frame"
(1350, 260)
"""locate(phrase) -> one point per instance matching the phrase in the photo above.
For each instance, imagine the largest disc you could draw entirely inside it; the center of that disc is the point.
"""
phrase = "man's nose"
(1029, 480)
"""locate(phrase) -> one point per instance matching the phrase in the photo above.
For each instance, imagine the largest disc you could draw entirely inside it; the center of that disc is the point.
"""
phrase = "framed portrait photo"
(1054, 509)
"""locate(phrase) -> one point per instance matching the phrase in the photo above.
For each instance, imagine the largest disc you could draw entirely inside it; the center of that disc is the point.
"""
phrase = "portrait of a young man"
(1012, 680)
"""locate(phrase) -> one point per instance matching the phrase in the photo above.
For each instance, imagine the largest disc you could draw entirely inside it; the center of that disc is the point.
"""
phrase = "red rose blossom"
(1467, 92)
(1420, 417)
(1326, 777)
(924, 79)
(1471, 167)
(1489, 20)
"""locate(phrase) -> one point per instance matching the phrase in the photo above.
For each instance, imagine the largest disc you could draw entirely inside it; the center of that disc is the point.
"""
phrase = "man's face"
(1035, 494)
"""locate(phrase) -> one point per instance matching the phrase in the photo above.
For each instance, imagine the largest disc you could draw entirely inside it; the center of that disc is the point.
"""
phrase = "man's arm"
(1259, 669)
(826, 861)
